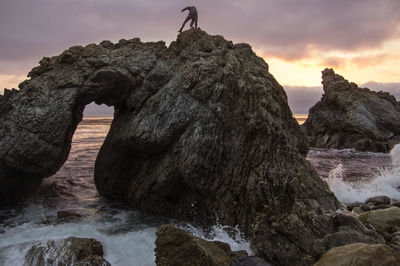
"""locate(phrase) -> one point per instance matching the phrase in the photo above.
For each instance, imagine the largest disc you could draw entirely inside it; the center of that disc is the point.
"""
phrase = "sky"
(359, 39)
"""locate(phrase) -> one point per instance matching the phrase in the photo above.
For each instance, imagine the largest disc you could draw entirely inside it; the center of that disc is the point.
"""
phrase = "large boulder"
(69, 251)
(385, 221)
(201, 132)
(177, 247)
(351, 117)
(348, 230)
(359, 254)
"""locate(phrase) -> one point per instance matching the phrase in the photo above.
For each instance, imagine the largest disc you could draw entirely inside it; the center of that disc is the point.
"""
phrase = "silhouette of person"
(191, 16)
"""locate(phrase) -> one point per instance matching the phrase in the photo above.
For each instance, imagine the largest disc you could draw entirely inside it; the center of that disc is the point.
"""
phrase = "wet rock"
(378, 200)
(395, 204)
(359, 254)
(385, 221)
(365, 207)
(68, 215)
(348, 229)
(176, 247)
(351, 206)
(201, 132)
(70, 251)
(249, 261)
(351, 117)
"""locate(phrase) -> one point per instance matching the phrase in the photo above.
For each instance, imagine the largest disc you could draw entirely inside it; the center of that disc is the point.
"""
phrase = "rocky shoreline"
(202, 132)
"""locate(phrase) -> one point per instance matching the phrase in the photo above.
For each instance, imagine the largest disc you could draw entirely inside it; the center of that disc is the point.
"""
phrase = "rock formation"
(360, 254)
(69, 251)
(176, 247)
(351, 117)
(201, 132)
(385, 221)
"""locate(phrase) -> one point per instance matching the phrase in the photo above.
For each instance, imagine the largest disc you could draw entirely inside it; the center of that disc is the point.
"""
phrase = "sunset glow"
(359, 39)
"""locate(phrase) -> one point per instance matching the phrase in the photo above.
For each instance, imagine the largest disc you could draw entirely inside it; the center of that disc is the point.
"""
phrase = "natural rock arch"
(201, 131)
(38, 121)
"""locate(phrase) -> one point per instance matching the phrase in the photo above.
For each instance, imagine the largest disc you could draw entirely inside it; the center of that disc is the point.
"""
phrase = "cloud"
(301, 99)
(284, 28)
(391, 87)
(93, 109)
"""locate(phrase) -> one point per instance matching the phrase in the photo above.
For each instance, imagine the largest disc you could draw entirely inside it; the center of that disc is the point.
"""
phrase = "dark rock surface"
(177, 247)
(249, 261)
(378, 201)
(70, 251)
(351, 117)
(201, 131)
(68, 215)
(348, 229)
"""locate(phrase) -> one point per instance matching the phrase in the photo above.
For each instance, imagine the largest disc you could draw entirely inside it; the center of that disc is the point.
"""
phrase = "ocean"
(128, 235)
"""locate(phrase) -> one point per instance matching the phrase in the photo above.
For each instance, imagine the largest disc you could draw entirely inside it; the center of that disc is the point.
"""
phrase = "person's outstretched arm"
(186, 8)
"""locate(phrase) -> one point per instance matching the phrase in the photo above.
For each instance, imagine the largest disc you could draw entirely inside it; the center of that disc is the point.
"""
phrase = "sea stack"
(351, 117)
(201, 132)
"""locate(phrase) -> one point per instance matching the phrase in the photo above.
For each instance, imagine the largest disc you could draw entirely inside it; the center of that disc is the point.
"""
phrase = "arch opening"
(72, 187)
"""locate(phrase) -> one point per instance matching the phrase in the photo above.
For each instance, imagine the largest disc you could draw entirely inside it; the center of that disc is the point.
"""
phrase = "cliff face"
(201, 132)
(351, 117)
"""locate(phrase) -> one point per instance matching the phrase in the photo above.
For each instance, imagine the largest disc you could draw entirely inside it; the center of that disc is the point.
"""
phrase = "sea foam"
(386, 182)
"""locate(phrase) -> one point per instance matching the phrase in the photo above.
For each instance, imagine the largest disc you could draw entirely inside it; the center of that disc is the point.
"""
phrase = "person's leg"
(195, 22)
(183, 25)
(191, 23)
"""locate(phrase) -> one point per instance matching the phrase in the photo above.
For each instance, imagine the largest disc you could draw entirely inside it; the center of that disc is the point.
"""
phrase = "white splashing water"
(386, 182)
(128, 247)
(128, 236)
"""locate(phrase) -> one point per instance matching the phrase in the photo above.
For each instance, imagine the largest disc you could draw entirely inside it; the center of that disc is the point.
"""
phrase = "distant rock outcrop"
(351, 117)
(201, 132)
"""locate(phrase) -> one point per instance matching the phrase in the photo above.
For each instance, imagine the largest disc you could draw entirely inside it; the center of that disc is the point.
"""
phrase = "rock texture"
(176, 247)
(201, 131)
(359, 254)
(351, 117)
(348, 229)
(70, 251)
(385, 221)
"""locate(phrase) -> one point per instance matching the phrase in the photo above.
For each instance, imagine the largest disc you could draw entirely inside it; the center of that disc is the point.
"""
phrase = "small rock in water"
(351, 206)
(70, 251)
(378, 200)
(365, 207)
(68, 215)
